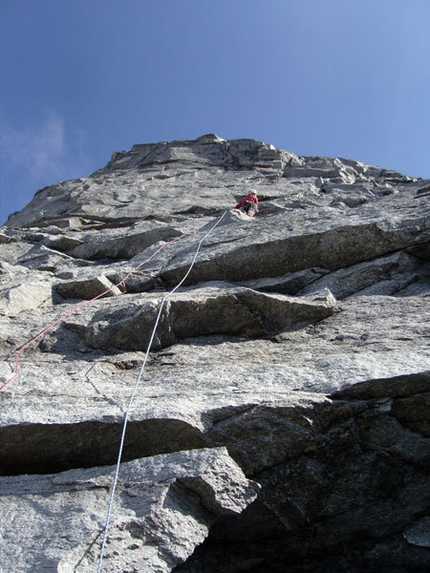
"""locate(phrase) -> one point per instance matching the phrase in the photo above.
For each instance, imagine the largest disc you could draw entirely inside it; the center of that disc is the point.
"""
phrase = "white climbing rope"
(136, 387)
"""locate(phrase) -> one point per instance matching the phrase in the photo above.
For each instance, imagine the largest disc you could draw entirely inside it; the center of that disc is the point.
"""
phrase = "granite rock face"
(274, 371)
(165, 505)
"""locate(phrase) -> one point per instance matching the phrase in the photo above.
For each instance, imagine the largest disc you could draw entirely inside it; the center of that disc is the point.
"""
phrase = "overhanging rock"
(164, 507)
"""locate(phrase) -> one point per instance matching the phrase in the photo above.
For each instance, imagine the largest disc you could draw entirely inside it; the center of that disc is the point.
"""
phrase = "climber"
(249, 203)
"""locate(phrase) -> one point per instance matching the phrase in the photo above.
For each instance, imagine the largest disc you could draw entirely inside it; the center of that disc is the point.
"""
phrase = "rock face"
(170, 498)
(273, 372)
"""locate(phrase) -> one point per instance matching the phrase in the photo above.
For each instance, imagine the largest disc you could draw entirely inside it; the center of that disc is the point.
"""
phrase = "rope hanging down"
(136, 387)
(50, 326)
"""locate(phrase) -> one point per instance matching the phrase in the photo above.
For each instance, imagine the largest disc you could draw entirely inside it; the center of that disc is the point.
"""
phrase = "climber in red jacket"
(249, 204)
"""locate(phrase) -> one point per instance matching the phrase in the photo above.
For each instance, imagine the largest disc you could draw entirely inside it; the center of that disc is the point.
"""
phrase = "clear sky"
(83, 78)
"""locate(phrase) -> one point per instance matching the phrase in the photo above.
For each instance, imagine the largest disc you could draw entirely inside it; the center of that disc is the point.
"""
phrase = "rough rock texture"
(294, 346)
(165, 504)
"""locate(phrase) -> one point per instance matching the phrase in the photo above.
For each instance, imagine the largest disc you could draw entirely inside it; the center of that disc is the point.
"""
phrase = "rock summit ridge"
(282, 422)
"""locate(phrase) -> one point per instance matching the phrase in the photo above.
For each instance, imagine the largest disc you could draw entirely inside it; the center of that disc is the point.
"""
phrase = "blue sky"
(84, 78)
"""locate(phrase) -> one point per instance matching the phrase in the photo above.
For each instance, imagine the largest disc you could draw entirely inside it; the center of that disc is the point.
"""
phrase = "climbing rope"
(136, 387)
(81, 305)
(120, 284)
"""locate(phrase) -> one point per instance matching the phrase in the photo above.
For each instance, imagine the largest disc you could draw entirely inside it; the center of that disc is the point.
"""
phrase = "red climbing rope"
(120, 284)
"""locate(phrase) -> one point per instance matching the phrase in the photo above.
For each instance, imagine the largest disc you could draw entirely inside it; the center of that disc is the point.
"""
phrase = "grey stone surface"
(298, 340)
(19, 297)
(87, 289)
(163, 509)
(207, 310)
